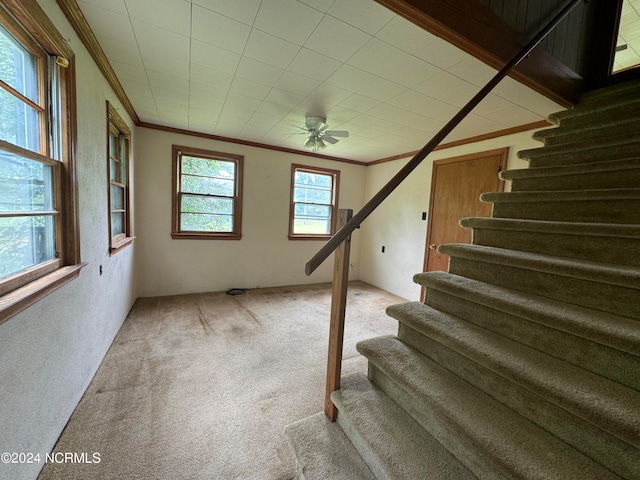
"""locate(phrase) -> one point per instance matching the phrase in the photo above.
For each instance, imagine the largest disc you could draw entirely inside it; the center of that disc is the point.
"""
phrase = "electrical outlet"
(424, 215)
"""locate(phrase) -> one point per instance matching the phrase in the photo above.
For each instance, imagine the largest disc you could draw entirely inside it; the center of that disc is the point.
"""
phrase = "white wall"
(264, 256)
(397, 223)
(50, 351)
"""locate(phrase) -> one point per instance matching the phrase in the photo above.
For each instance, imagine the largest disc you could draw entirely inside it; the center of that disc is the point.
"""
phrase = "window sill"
(205, 236)
(310, 237)
(120, 244)
(20, 298)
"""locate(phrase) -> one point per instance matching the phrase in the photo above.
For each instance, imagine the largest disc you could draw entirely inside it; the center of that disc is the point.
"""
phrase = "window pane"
(206, 223)
(113, 145)
(117, 197)
(25, 185)
(312, 211)
(25, 242)
(196, 204)
(305, 226)
(313, 179)
(208, 186)
(310, 195)
(113, 170)
(18, 122)
(208, 168)
(117, 224)
(18, 67)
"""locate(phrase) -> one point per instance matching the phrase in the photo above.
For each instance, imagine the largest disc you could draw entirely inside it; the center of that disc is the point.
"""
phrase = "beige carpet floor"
(201, 386)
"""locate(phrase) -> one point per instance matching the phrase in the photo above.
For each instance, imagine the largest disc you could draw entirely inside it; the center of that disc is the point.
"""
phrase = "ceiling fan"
(317, 132)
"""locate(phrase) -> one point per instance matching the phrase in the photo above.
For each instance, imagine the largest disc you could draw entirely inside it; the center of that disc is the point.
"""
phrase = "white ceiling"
(629, 35)
(252, 69)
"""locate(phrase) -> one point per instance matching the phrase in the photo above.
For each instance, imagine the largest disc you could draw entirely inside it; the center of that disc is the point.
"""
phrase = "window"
(39, 242)
(314, 197)
(207, 194)
(119, 138)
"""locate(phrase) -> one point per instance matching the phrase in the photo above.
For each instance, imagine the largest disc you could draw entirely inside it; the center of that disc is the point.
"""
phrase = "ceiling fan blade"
(337, 133)
(331, 140)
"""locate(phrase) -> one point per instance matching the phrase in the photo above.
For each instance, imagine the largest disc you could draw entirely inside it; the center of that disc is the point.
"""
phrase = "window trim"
(115, 122)
(30, 25)
(334, 205)
(176, 232)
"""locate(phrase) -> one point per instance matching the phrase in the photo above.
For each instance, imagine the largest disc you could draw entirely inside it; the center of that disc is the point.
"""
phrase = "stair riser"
(586, 181)
(623, 251)
(625, 211)
(477, 461)
(608, 362)
(598, 296)
(576, 135)
(542, 158)
(585, 437)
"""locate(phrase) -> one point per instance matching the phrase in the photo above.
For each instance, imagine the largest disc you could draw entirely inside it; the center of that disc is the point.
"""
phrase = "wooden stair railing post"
(338, 307)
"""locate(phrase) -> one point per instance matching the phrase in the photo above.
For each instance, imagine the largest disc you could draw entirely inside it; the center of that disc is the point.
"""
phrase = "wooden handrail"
(342, 234)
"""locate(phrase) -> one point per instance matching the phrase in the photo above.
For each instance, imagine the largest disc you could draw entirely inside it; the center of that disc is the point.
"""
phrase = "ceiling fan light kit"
(318, 134)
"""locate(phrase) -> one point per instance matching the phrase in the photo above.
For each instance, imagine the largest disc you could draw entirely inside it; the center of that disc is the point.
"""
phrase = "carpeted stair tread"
(602, 149)
(393, 444)
(628, 90)
(583, 113)
(620, 275)
(563, 195)
(623, 173)
(324, 452)
(492, 440)
(567, 228)
(600, 242)
(620, 333)
(600, 206)
(588, 131)
(570, 387)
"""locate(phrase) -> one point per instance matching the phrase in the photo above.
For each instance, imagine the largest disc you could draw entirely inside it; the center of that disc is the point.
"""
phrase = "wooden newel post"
(338, 306)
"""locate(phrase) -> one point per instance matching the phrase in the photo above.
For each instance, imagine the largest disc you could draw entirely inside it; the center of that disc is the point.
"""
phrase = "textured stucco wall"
(50, 351)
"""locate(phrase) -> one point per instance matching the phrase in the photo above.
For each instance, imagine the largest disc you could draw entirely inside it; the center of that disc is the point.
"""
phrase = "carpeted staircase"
(524, 360)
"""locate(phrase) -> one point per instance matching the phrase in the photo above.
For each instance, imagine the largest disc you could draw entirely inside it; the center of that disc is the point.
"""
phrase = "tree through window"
(314, 196)
(207, 200)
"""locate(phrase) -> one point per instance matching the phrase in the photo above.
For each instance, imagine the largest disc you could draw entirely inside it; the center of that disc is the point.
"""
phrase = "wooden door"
(456, 186)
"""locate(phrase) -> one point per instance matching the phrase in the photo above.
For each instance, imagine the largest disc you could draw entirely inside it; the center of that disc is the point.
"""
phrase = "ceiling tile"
(214, 57)
(514, 91)
(270, 50)
(211, 77)
(391, 63)
(513, 115)
(243, 11)
(120, 51)
(366, 15)
(163, 95)
(174, 16)
(125, 71)
(322, 5)
(298, 84)
(339, 114)
(491, 103)
(168, 82)
(336, 39)
(201, 124)
(448, 88)
(284, 98)
(117, 6)
(159, 62)
(137, 89)
(107, 23)
(421, 104)
(218, 30)
(350, 78)
(167, 106)
(412, 39)
(326, 96)
(473, 71)
(211, 113)
(258, 72)
(245, 104)
(152, 39)
(143, 102)
(288, 19)
(314, 65)
(247, 88)
(359, 103)
(381, 89)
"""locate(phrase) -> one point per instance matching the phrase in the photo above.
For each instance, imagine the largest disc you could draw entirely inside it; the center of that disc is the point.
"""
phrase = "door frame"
(504, 155)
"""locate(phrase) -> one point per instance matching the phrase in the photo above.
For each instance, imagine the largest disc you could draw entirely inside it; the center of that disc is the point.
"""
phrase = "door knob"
(432, 246)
